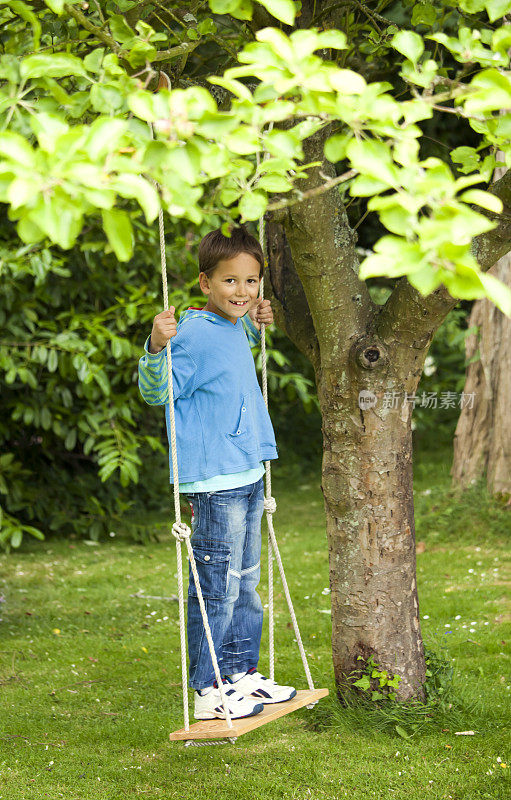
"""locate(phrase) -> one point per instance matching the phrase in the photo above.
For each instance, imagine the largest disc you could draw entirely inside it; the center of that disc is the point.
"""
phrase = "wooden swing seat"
(217, 728)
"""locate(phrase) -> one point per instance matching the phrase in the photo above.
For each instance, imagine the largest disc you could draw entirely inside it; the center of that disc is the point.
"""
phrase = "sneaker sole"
(210, 715)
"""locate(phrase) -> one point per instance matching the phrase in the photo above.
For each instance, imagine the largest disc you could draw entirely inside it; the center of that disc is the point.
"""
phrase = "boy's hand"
(261, 312)
(164, 328)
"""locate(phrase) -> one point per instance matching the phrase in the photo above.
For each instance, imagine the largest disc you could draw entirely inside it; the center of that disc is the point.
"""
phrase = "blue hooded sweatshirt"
(222, 423)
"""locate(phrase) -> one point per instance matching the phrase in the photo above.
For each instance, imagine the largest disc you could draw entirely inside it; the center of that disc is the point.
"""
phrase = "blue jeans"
(226, 542)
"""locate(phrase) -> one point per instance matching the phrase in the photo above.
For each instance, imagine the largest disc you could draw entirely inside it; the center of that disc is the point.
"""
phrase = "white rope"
(180, 530)
(270, 504)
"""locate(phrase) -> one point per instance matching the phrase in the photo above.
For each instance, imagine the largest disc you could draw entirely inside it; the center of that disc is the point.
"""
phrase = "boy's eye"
(252, 280)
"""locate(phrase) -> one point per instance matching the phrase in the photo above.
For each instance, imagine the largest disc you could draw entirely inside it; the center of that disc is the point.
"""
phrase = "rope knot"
(181, 531)
(270, 505)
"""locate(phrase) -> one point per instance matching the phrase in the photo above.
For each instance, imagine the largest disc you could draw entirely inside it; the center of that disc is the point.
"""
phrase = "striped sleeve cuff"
(253, 334)
(152, 376)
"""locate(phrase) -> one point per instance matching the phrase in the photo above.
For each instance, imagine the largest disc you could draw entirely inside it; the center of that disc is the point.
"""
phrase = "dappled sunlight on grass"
(90, 671)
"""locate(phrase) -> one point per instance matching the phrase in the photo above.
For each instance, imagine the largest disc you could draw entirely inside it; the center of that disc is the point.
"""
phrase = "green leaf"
(54, 65)
(334, 39)
(363, 186)
(497, 8)
(424, 14)
(408, 43)
(373, 158)
(48, 128)
(15, 147)
(493, 92)
(53, 361)
(275, 183)
(117, 226)
(235, 87)
(282, 143)
(106, 98)
(243, 141)
(9, 68)
(34, 532)
(233, 7)
(57, 6)
(141, 53)
(59, 216)
(21, 191)
(467, 157)
(135, 186)
(335, 147)
(394, 256)
(102, 380)
(104, 136)
(283, 10)
(425, 280)
(70, 439)
(16, 538)
(253, 205)
(401, 731)
(363, 683)
(93, 60)
(143, 105)
(26, 13)
(206, 26)
(498, 292)
(346, 81)
(484, 199)
(120, 29)
(28, 231)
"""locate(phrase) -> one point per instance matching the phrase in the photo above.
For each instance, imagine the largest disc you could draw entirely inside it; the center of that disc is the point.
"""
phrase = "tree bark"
(482, 440)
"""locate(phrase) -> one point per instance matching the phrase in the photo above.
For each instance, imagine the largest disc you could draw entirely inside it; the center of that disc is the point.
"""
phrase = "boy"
(224, 434)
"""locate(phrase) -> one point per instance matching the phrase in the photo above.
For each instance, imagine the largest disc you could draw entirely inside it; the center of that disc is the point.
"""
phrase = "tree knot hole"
(369, 353)
(372, 354)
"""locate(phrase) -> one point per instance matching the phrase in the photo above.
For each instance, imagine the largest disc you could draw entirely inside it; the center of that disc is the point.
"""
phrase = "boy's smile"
(233, 286)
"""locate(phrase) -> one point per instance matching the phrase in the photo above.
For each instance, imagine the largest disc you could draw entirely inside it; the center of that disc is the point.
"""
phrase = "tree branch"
(324, 187)
(323, 251)
(162, 55)
(89, 26)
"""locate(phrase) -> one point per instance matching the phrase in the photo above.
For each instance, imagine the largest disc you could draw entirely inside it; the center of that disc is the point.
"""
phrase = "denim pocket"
(213, 569)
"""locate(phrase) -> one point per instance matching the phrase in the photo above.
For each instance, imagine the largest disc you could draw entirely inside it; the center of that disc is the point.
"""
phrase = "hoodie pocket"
(246, 436)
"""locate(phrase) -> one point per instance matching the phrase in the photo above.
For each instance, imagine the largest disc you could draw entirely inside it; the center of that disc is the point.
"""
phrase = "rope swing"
(220, 728)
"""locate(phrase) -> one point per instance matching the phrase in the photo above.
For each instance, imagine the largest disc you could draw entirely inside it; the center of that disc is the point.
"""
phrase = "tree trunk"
(368, 492)
(359, 347)
(482, 441)
(367, 483)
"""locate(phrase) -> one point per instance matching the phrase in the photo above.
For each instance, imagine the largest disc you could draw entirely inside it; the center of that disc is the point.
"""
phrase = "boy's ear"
(203, 281)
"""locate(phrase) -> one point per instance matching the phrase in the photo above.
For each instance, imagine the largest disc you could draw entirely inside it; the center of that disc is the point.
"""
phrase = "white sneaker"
(209, 705)
(254, 685)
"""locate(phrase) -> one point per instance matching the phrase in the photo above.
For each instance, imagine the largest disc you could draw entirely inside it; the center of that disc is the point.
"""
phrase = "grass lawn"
(90, 681)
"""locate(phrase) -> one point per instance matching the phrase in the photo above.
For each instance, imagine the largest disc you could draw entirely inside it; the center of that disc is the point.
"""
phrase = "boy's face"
(235, 280)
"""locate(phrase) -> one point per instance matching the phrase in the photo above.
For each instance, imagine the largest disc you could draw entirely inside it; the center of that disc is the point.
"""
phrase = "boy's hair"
(215, 247)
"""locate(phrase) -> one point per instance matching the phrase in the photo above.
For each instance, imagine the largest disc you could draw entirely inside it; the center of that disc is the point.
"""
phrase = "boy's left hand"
(261, 312)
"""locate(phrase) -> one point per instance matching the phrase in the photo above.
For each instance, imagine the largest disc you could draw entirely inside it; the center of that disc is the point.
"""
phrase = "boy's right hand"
(164, 328)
